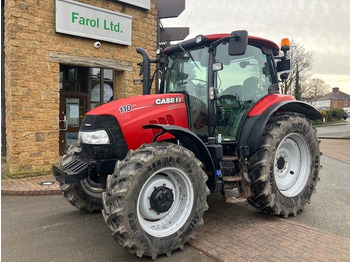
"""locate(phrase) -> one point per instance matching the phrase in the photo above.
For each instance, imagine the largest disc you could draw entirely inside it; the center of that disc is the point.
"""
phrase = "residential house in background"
(335, 99)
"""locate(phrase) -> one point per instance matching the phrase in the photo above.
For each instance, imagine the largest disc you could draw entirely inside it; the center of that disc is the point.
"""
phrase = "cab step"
(234, 187)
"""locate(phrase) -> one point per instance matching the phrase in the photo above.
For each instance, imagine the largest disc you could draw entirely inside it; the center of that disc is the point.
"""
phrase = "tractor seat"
(250, 87)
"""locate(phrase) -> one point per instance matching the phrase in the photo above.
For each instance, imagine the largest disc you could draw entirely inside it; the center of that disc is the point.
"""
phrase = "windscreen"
(244, 80)
(186, 72)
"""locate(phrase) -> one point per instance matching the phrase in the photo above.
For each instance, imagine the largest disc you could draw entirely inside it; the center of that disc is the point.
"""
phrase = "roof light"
(285, 46)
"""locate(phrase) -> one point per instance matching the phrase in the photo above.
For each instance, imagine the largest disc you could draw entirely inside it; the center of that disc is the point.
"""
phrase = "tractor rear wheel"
(284, 170)
(155, 199)
(86, 194)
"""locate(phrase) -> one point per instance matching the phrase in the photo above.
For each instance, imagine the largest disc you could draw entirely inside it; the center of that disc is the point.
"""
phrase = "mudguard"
(189, 140)
(259, 116)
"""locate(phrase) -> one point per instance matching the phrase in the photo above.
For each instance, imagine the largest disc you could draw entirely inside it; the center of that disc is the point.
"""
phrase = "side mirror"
(238, 42)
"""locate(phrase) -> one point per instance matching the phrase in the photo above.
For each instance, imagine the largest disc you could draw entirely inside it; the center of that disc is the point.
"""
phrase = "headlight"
(99, 137)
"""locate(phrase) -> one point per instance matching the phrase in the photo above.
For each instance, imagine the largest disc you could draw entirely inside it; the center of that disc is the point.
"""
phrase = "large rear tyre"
(85, 195)
(155, 199)
(284, 170)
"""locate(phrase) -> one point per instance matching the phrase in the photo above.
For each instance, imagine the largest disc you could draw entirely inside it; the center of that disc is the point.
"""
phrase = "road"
(47, 228)
(334, 131)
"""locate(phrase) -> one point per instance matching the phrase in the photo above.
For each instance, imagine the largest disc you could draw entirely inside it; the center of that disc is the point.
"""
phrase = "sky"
(320, 26)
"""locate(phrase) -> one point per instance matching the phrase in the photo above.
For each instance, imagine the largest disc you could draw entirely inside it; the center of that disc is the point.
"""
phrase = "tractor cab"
(220, 83)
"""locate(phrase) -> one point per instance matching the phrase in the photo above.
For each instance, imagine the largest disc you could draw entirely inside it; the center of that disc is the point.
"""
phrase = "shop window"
(73, 79)
(88, 81)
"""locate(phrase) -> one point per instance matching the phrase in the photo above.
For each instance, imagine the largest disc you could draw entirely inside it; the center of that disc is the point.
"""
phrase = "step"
(231, 178)
(229, 158)
(233, 200)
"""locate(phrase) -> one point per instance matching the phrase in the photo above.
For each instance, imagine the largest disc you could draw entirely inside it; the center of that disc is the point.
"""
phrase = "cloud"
(321, 26)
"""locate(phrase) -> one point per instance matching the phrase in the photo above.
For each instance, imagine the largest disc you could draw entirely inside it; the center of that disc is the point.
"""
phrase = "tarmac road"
(48, 228)
(334, 131)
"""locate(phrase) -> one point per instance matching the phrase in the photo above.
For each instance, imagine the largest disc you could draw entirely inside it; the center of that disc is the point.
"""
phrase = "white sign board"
(140, 3)
(75, 18)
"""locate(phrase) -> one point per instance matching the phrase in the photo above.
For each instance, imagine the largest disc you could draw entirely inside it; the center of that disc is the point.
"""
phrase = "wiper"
(190, 56)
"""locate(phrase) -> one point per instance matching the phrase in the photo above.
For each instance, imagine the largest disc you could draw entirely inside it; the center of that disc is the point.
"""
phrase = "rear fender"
(189, 140)
(256, 123)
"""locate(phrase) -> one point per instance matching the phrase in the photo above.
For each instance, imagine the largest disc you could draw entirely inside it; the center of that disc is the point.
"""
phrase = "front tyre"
(284, 170)
(155, 199)
(86, 194)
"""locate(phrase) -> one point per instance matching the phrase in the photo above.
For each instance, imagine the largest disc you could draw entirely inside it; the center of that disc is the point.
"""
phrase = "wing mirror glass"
(238, 42)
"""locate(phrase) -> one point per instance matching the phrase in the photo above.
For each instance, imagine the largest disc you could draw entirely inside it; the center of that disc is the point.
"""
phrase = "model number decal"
(125, 109)
(168, 100)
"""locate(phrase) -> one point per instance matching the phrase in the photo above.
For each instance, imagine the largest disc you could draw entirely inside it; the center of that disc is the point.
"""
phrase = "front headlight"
(99, 137)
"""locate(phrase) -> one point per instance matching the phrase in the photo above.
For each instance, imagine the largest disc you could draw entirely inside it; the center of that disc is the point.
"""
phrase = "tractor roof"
(211, 38)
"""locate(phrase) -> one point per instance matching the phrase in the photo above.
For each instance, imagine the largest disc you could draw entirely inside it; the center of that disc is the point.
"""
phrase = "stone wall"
(32, 75)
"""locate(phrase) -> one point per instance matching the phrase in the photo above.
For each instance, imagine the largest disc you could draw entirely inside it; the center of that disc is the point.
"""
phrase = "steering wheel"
(229, 100)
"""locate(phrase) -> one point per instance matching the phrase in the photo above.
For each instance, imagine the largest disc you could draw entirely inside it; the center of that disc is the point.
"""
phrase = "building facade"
(335, 99)
(62, 59)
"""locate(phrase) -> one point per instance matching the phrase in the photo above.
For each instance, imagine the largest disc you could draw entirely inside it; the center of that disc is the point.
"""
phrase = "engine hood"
(135, 112)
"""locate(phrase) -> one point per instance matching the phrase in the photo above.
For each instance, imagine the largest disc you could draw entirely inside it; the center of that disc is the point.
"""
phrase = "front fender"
(254, 124)
(189, 140)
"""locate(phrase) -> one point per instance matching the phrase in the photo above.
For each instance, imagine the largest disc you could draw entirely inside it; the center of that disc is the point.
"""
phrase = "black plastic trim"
(191, 141)
(253, 127)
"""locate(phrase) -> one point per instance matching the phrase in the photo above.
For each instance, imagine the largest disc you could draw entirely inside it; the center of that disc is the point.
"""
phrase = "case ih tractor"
(217, 122)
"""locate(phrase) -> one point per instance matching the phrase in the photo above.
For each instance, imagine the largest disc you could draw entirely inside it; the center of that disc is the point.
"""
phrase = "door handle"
(65, 122)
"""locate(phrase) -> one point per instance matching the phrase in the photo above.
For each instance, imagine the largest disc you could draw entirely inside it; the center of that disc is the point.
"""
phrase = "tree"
(297, 88)
(315, 87)
(301, 61)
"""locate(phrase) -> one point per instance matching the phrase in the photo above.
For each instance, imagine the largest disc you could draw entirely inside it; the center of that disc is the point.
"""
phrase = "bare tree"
(301, 59)
(315, 87)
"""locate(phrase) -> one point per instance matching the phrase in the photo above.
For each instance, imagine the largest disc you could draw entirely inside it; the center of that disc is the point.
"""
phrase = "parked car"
(346, 112)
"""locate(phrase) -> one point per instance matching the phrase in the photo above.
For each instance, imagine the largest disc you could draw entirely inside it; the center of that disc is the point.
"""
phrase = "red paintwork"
(268, 101)
(144, 111)
(251, 39)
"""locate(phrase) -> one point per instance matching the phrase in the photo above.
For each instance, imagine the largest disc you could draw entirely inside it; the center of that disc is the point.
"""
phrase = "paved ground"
(231, 232)
(239, 234)
(336, 148)
(48, 228)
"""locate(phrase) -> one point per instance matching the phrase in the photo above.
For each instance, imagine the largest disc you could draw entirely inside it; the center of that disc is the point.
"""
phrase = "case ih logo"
(168, 100)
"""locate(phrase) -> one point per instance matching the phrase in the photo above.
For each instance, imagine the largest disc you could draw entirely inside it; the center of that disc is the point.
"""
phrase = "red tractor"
(217, 122)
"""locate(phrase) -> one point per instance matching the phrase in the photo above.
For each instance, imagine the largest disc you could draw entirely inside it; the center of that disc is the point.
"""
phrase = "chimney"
(335, 89)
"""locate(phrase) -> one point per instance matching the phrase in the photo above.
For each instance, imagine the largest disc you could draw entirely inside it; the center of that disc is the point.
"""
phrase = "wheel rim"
(292, 165)
(163, 217)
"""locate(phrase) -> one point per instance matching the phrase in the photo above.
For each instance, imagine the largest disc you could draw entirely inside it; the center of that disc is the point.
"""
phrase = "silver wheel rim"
(292, 165)
(162, 224)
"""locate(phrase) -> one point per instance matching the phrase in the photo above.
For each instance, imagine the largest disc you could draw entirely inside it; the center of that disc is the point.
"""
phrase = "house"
(335, 99)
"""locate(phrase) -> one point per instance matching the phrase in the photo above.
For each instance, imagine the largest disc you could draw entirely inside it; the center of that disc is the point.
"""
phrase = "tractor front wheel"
(284, 170)
(86, 194)
(155, 199)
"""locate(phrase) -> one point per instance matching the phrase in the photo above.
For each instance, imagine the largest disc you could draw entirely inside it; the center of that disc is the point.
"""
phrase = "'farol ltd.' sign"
(84, 20)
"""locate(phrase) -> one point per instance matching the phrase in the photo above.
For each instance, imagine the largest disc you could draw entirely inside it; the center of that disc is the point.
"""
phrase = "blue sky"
(321, 26)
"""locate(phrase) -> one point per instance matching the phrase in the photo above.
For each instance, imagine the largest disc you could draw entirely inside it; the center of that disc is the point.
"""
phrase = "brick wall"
(340, 103)
(32, 78)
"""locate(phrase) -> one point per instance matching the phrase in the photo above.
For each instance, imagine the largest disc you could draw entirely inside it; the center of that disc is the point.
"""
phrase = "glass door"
(81, 89)
(72, 111)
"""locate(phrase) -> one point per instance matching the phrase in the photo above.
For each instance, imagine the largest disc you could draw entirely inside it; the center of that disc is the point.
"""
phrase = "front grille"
(117, 149)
